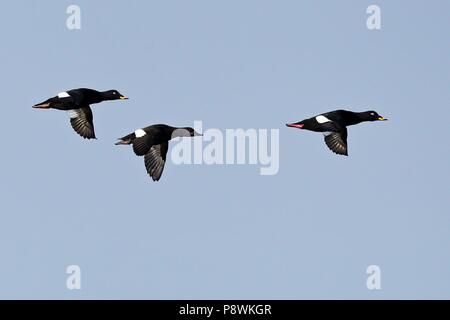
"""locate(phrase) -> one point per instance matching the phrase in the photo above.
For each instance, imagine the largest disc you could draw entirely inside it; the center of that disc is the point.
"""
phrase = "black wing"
(155, 160)
(153, 136)
(337, 141)
(82, 122)
(142, 145)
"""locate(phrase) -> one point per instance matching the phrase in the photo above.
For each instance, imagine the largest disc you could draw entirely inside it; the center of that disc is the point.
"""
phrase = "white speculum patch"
(322, 119)
(140, 133)
(63, 95)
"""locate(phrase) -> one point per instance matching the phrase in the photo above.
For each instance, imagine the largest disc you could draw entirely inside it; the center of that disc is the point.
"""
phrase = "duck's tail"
(43, 105)
(125, 142)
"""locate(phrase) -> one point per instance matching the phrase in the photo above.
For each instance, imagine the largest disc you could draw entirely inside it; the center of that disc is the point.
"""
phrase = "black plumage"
(77, 103)
(155, 159)
(334, 125)
(152, 142)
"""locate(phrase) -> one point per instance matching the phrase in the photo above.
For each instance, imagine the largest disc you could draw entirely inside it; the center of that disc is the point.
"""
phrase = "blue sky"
(206, 232)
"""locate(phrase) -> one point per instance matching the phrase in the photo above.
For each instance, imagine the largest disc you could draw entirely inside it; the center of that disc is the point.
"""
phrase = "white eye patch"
(322, 119)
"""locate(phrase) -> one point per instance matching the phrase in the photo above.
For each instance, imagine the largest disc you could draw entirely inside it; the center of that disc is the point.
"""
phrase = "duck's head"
(185, 132)
(193, 133)
(372, 116)
(113, 95)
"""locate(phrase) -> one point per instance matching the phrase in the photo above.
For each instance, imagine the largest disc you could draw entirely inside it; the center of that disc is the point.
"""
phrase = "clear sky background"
(210, 232)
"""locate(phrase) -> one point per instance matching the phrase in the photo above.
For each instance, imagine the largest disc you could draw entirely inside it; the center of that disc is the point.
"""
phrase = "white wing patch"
(63, 95)
(140, 133)
(73, 114)
(322, 119)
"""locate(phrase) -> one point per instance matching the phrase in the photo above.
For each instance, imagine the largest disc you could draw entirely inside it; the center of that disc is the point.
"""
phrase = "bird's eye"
(372, 113)
(114, 92)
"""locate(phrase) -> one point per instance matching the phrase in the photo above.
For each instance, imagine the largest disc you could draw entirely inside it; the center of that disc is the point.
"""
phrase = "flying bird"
(153, 142)
(334, 125)
(77, 103)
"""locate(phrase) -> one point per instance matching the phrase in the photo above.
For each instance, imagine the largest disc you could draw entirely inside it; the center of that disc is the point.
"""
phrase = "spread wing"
(82, 122)
(155, 160)
(337, 141)
(146, 138)
(142, 145)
